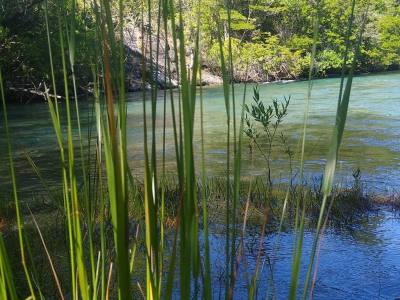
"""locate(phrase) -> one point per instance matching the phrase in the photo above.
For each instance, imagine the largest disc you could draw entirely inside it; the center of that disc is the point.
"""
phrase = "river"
(371, 141)
(361, 261)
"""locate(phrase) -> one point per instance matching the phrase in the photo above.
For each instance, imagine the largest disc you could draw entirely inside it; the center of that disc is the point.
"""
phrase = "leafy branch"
(269, 117)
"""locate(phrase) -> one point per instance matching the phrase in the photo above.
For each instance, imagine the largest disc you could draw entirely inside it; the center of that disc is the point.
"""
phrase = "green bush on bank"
(270, 39)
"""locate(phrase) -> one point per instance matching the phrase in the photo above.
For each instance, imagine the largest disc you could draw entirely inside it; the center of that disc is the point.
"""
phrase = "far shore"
(25, 94)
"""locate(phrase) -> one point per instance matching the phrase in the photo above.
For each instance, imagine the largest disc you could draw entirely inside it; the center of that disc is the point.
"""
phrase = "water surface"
(355, 263)
(371, 140)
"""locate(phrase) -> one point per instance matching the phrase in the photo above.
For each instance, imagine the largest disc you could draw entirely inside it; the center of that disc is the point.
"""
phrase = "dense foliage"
(24, 52)
(271, 39)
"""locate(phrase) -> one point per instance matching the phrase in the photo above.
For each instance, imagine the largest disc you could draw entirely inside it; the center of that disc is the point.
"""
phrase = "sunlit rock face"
(159, 58)
(134, 76)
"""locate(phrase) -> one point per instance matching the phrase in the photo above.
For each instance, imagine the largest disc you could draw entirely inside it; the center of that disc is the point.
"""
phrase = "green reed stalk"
(114, 133)
(236, 192)
(40, 177)
(207, 286)
(346, 52)
(168, 11)
(333, 151)
(160, 206)
(7, 285)
(225, 78)
(99, 118)
(153, 84)
(70, 194)
(55, 117)
(160, 12)
(71, 41)
(165, 93)
(53, 270)
(253, 283)
(53, 80)
(15, 192)
(195, 224)
(72, 189)
(149, 199)
(66, 199)
(277, 243)
(237, 150)
(5, 266)
(189, 219)
(124, 168)
(299, 220)
(87, 199)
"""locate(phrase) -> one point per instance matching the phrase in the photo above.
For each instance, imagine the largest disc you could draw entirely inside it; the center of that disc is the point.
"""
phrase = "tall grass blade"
(53, 270)
(226, 80)
(114, 136)
(333, 151)
(15, 193)
(7, 284)
(300, 219)
(207, 286)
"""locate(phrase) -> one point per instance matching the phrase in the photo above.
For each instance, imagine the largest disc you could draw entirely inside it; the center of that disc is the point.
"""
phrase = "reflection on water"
(361, 263)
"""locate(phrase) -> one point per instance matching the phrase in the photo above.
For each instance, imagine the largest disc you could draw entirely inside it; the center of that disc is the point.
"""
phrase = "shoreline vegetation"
(263, 46)
(31, 93)
(97, 252)
(352, 202)
(350, 213)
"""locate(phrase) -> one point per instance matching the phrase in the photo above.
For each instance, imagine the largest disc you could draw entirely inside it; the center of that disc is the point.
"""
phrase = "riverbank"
(257, 201)
(35, 92)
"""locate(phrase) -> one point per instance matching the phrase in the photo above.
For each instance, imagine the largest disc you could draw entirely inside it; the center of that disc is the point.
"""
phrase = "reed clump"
(124, 237)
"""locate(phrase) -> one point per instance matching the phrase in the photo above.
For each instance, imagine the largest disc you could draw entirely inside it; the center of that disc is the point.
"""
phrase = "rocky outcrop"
(135, 59)
(208, 78)
(156, 65)
(134, 76)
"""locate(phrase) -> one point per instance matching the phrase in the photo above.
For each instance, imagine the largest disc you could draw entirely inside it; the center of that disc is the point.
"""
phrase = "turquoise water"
(371, 140)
